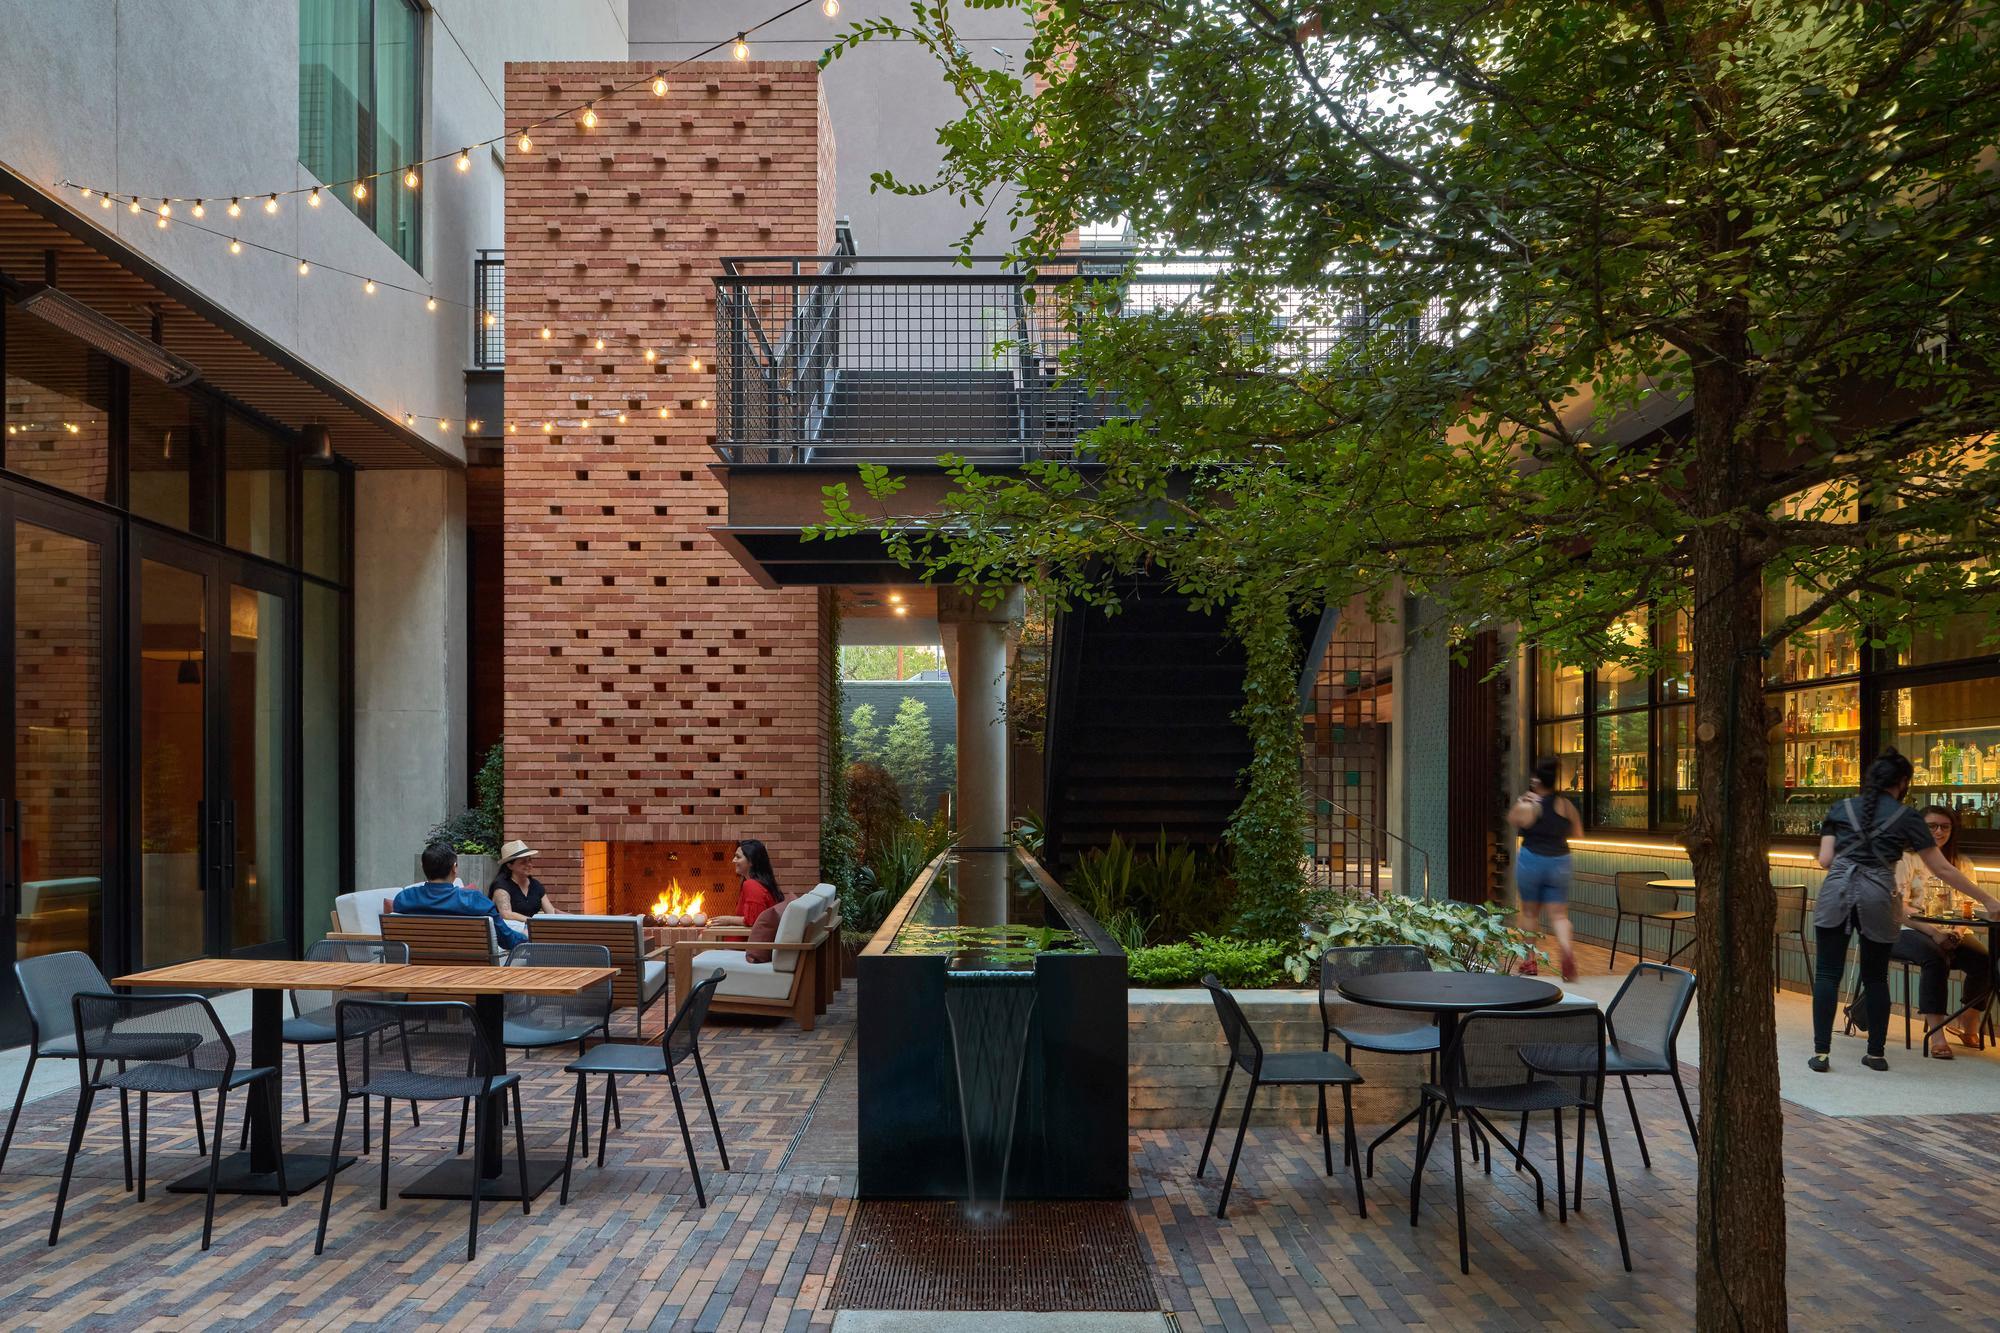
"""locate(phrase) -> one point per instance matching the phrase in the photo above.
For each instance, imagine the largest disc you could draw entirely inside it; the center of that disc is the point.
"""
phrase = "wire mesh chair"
(48, 983)
(1644, 1020)
(680, 1043)
(447, 1059)
(1361, 1027)
(1637, 899)
(163, 1044)
(535, 1022)
(1276, 1069)
(1520, 1062)
(312, 1020)
(1789, 919)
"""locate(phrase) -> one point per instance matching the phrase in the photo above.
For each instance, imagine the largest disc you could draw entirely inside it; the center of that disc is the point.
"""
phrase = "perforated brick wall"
(654, 693)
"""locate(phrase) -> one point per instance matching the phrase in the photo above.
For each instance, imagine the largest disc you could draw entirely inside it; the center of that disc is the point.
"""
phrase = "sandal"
(1940, 1049)
(1971, 1041)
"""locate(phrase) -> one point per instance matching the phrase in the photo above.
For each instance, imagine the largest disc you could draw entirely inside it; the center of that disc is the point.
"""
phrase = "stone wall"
(1177, 1055)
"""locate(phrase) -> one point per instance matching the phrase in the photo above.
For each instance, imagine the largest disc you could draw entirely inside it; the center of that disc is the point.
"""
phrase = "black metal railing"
(845, 358)
(489, 310)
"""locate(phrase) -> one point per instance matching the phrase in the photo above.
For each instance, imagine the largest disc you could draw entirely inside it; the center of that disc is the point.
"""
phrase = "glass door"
(212, 739)
(57, 565)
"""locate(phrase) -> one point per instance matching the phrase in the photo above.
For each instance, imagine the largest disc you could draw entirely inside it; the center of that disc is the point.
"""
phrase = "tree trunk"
(1740, 1216)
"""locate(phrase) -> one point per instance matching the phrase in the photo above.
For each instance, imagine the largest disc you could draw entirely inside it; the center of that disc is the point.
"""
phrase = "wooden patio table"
(487, 988)
(267, 980)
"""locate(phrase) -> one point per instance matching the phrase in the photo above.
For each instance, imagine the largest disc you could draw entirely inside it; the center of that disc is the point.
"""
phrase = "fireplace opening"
(633, 878)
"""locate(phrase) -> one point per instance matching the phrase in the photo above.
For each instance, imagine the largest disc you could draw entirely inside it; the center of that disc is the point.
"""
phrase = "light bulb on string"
(513, 428)
(547, 427)
(443, 424)
(740, 48)
(621, 418)
(161, 222)
(472, 428)
(166, 209)
(464, 162)
(589, 118)
(104, 201)
(409, 419)
(410, 178)
(360, 191)
(431, 303)
(85, 189)
(312, 199)
(235, 246)
(199, 211)
(133, 207)
(368, 286)
(304, 268)
(663, 414)
(271, 204)
(831, 8)
(235, 208)
(659, 85)
(524, 143)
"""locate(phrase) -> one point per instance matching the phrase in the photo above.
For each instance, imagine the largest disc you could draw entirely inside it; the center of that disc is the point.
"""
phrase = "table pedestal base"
(453, 1180)
(302, 1172)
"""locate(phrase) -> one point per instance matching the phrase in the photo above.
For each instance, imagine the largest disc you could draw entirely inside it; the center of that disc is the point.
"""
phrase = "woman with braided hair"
(1860, 843)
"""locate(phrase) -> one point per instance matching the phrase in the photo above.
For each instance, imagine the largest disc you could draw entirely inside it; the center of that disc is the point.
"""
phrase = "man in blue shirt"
(439, 896)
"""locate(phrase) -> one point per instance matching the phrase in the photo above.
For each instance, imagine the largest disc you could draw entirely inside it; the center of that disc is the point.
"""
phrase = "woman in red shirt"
(760, 887)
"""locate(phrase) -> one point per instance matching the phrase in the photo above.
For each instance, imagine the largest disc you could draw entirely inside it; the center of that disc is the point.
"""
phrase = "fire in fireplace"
(660, 879)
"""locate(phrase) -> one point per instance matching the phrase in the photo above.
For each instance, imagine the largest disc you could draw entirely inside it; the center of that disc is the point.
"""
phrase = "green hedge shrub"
(1237, 963)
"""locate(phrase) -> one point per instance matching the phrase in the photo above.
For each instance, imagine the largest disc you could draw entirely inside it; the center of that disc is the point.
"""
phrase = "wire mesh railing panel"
(844, 359)
(489, 310)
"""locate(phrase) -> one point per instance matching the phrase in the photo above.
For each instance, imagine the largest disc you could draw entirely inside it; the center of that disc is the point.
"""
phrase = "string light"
(524, 143)
(166, 209)
(513, 428)
(304, 268)
(589, 119)
(663, 414)
(235, 246)
(831, 8)
(464, 162)
(360, 191)
(411, 179)
(443, 423)
(369, 286)
(236, 208)
(472, 428)
(199, 211)
(490, 319)
(134, 206)
(740, 48)
(86, 191)
(104, 201)
(161, 222)
(431, 303)
(313, 198)
(659, 85)
(271, 204)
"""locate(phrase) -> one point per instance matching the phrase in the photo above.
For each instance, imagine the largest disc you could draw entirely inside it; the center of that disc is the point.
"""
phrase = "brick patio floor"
(1891, 1225)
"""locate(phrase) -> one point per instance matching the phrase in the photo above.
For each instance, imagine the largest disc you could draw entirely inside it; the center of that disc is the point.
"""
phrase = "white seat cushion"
(798, 915)
(360, 913)
(655, 977)
(741, 977)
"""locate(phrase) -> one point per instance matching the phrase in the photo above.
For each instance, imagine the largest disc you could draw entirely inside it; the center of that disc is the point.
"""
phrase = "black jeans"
(1830, 951)
(1933, 991)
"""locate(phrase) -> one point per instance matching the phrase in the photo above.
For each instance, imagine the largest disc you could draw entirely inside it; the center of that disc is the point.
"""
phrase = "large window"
(361, 81)
(1628, 741)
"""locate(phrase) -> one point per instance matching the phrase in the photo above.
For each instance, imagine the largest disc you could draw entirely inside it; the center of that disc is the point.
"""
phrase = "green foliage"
(1268, 831)
(1030, 831)
(479, 830)
(896, 856)
(1000, 945)
(864, 736)
(1238, 964)
(876, 805)
(1455, 936)
(838, 835)
(908, 751)
(1168, 891)
(880, 661)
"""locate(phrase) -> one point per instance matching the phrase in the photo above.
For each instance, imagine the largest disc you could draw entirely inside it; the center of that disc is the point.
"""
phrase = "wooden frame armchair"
(788, 986)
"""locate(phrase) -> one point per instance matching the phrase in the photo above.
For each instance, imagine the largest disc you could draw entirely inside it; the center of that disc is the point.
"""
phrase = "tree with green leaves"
(864, 736)
(1550, 314)
(909, 753)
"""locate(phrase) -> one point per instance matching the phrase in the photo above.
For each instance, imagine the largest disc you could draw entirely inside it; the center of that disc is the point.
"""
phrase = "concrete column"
(978, 635)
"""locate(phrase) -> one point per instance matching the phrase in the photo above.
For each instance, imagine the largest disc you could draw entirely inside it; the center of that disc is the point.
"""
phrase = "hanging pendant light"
(189, 672)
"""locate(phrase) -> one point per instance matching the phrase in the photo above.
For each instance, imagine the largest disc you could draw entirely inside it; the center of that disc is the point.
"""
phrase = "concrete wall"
(887, 101)
(409, 666)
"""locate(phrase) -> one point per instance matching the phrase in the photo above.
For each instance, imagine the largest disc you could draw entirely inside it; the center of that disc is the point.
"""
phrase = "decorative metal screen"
(1343, 761)
(489, 312)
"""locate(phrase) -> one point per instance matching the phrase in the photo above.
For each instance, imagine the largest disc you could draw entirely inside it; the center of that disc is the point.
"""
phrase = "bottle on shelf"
(1936, 756)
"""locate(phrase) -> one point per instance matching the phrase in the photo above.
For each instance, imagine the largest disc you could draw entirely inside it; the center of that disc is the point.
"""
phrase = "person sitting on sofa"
(438, 895)
(514, 890)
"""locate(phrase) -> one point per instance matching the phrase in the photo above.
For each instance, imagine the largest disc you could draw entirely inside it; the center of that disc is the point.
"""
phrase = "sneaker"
(1819, 1064)
(1875, 1062)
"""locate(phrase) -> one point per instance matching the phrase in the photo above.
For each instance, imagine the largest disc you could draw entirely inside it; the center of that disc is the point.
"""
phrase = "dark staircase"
(913, 416)
(1142, 733)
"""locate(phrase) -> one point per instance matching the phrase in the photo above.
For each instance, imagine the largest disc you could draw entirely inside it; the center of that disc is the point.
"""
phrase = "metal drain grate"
(1041, 1257)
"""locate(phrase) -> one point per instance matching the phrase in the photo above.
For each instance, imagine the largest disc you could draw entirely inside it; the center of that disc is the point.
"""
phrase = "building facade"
(232, 477)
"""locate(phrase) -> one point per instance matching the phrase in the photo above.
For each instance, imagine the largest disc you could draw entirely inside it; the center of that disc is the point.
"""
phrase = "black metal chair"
(1636, 899)
(162, 1044)
(449, 1059)
(537, 1022)
(312, 1020)
(48, 984)
(1364, 1028)
(1789, 919)
(1520, 1061)
(680, 1043)
(1276, 1069)
(1644, 1020)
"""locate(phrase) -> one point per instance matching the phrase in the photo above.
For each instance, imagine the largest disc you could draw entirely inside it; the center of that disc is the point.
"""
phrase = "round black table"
(1992, 928)
(1445, 996)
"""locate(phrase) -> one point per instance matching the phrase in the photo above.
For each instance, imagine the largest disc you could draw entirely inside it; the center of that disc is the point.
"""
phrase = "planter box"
(1177, 1058)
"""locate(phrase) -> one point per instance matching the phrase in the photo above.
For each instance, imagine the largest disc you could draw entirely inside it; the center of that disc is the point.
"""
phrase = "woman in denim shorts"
(1541, 866)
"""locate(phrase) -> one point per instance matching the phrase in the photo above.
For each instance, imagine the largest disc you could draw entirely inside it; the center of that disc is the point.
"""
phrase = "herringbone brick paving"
(1889, 1225)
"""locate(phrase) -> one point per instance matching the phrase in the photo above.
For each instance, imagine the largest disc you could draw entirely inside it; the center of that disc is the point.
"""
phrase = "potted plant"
(476, 832)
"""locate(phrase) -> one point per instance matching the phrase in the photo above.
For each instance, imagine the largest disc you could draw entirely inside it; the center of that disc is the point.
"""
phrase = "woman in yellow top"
(1939, 949)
